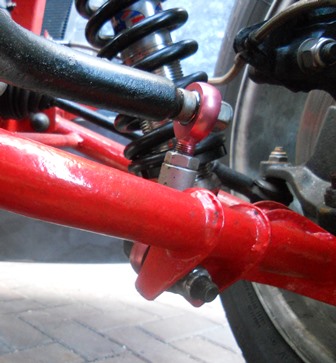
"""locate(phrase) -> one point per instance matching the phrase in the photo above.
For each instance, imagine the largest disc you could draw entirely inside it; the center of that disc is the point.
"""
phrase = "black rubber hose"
(37, 64)
(232, 179)
(255, 189)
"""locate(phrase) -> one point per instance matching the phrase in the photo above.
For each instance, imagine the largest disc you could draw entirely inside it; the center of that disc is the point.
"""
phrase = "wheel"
(272, 325)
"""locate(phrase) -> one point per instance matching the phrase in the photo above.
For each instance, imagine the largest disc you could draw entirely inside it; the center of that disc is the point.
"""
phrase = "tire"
(255, 333)
(271, 325)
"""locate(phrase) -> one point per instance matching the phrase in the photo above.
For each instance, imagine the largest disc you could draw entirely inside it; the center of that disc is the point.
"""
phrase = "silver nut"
(278, 155)
(181, 160)
(224, 118)
(308, 55)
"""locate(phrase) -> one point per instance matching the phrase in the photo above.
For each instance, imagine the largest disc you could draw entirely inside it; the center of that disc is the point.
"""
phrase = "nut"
(309, 53)
(224, 118)
(278, 155)
(181, 160)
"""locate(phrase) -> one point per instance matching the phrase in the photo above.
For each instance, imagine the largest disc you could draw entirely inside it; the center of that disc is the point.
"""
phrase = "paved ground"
(92, 313)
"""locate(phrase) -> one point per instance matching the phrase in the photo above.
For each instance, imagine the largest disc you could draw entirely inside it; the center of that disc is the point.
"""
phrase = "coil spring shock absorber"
(142, 37)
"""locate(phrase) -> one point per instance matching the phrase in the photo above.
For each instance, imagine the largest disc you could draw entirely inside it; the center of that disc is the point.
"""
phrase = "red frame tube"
(94, 145)
(29, 14)
(263, 243)
(232, 239)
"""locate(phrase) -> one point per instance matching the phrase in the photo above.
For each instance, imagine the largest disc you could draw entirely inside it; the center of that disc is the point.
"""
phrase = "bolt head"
(312, 52)
(203, 289)
(224, 118)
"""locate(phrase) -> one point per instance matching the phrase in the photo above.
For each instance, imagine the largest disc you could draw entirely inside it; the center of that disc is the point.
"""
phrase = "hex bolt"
(278, 155)
(224, 118)
(202, 288)
(315, 53)
(39, 121)
(197, 285)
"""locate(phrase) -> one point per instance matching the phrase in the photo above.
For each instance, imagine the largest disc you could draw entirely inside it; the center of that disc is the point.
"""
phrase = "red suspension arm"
(231, 239)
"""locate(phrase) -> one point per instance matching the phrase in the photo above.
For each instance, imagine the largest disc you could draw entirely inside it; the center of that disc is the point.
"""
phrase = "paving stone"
(4, 348)
(85, 342)
(8, 294)
(222, 336)
(178, 327)
(123, 327)
(78, 338)
(105, 321)
(110, 304)
(52, 353)
(126, 357)
(212, 311)
(18, 306)
(19, 335)
(207, 351)
(45, 297)
(147, 347)
(43, 319)
(159, 309)
(71, 311)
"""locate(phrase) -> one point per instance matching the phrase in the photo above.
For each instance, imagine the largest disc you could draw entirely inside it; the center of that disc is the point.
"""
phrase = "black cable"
(90, 115)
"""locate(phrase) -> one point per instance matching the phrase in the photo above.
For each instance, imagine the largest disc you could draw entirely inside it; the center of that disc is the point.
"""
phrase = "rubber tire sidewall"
(255, 333)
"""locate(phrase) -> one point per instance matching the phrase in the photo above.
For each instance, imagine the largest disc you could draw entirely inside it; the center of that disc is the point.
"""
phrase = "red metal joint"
(188, 135)
(163, 267)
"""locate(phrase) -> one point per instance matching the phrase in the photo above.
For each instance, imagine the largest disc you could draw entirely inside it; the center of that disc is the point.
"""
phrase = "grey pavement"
(55, 313)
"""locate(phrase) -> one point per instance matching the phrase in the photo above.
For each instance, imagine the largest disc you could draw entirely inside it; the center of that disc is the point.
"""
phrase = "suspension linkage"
(86, 79)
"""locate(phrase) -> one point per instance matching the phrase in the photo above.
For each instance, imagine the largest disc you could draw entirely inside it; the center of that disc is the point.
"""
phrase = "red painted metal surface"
(70, 140)
(301, 256)
(93, 144)
(264, 242)
(29, 14)
(231, 238)
(192, 133)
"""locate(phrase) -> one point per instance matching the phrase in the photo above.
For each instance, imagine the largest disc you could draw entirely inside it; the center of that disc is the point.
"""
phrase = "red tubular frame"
(29, 14)
(232, 239)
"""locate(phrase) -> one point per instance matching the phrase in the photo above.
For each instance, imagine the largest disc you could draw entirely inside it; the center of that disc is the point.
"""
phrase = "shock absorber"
(142, 39)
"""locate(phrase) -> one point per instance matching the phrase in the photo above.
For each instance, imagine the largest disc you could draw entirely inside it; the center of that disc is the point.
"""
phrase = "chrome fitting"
(178, 171)
(315, 53)
(191, 101)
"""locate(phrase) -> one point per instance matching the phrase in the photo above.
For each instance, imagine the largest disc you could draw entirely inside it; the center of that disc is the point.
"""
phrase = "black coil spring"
(143, 152)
